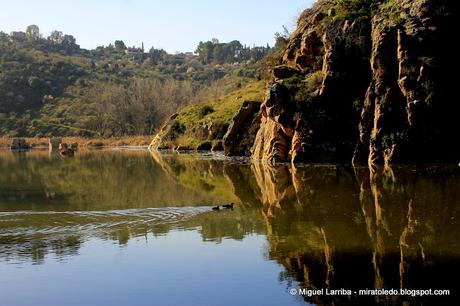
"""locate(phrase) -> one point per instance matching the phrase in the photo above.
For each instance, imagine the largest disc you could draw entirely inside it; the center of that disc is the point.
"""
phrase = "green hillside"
(50, 86)
(203, 125)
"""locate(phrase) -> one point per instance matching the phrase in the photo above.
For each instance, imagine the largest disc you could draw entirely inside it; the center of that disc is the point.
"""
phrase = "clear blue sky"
(170, 24)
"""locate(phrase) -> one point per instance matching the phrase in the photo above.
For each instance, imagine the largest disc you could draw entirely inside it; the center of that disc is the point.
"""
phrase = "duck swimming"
(228, 206)
(216, 208)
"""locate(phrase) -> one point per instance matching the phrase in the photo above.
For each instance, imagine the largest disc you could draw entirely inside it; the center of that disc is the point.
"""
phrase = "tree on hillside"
(56, 37)
(205, 51)
(214, 52)
(275, 54)
(33, 32)
(69, 40)
(139, 107)
(69, 44)
(3, 36)
(157, 55)
(120, 45)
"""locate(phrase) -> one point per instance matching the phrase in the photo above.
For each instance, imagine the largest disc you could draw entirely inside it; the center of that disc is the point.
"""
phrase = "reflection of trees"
(22, 248)
(236, 224)
(124, 180)
(98, 180)
(226, 182)
(205, 176)
(29, 236)
(330, 227)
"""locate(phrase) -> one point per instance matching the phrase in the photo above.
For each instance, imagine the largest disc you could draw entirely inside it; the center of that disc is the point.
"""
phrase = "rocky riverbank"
(360, 81)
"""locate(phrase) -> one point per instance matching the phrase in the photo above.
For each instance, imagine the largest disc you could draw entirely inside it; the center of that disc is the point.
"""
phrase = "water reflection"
(328, 226)
(344, 228)
(102, 180)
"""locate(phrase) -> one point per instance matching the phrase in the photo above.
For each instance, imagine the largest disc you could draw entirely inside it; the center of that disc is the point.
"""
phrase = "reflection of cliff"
(338, 228)
(411, 220)
(330, 227)
(312, 220)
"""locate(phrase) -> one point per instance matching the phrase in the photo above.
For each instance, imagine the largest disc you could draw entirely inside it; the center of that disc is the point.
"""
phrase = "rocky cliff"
(362, 81)
(366, 81)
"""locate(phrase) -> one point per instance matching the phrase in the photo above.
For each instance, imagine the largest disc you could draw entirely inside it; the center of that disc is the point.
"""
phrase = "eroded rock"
(369, 89)
(241, 131)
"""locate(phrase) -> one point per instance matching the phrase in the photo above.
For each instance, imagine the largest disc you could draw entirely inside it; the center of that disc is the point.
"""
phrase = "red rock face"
(373, 89)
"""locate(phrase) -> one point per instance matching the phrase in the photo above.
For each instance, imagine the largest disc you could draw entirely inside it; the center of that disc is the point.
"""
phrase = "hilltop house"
(17, 36)
(134, 50)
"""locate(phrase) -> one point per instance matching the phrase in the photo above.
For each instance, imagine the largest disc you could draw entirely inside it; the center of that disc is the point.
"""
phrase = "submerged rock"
(54, 143)
(74, 146)
(19, 144)
(65, 150)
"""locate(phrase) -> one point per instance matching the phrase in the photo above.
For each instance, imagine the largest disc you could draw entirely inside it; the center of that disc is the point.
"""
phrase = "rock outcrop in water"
(366, 81)
(18, 144)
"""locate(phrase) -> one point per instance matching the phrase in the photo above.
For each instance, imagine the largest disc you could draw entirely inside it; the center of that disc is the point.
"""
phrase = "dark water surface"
(134, 228)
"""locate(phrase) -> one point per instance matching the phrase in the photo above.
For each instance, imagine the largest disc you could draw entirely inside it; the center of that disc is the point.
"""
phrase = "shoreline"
(123, 141)
(425, 168)
(143, 143)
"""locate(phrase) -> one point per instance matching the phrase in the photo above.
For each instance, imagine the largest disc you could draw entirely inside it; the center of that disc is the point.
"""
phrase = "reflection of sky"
(176, 269)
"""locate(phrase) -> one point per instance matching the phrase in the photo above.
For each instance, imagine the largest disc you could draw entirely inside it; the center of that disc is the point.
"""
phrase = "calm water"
(132, 228)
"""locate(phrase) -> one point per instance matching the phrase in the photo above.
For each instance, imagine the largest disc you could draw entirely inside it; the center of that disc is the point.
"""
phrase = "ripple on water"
(25, 234)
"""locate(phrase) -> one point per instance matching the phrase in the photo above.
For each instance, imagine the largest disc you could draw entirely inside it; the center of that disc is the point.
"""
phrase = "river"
(128, 227)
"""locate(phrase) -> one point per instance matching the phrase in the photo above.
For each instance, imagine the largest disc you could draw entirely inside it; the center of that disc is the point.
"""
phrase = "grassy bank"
(204, 124)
